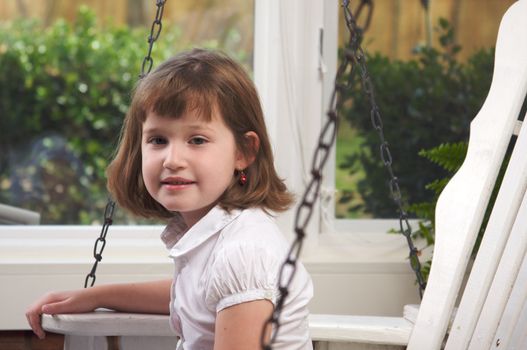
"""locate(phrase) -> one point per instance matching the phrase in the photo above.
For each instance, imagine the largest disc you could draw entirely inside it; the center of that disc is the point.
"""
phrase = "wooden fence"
(397, 25)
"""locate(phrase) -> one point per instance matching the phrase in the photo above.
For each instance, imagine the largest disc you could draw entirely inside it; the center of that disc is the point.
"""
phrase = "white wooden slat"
(89, 331)
(78, 342)
(85, 343)
(462, 204)
(360, 329)
(503, 282)
(143, 342)
(319, 345)
(511, 321)
(517, 128)
(519, 336)
(167, 343)
(497, 232)
(410, 312)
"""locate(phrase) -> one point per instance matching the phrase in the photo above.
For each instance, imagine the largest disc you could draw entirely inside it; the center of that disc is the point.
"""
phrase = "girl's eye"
(157, 140)
(198, 140)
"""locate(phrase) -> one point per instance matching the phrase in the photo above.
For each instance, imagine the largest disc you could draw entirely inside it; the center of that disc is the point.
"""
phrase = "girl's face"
(187, 163)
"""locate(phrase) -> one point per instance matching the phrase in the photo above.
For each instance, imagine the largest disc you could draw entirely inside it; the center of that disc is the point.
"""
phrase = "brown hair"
(202, 80)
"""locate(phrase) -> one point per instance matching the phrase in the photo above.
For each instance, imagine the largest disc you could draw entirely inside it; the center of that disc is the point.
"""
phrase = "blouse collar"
(180, 240)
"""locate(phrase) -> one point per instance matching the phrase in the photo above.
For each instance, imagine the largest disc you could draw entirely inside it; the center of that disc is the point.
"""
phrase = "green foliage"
(64, 91)
(424, 102)
(449, 156)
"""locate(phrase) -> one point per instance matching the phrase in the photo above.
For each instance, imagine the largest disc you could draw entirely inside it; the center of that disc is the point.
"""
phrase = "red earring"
(243, 178)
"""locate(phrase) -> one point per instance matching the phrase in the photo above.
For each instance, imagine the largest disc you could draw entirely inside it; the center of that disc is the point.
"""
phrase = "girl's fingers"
(55, 308)
(33, 314)
(33, 318)
(56, 303)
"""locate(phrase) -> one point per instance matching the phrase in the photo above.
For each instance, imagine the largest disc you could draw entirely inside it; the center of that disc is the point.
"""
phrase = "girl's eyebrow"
(151, 130)
(199, 127)
(191, 127)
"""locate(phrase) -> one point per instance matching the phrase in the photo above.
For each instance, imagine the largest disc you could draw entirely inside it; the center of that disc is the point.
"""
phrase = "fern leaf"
(449, 156)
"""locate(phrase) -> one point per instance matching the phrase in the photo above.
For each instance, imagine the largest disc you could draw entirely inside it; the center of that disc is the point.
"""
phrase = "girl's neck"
(192, 217)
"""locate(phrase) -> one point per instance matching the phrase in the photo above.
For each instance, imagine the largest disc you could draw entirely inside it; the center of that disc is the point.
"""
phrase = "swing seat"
(491, 308)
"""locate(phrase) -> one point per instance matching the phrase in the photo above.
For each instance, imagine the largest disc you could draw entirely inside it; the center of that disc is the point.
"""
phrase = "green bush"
(63, 93)
(423, 102)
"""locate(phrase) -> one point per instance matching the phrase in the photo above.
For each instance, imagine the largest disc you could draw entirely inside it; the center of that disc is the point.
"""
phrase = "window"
(426, 97)
(65, 89)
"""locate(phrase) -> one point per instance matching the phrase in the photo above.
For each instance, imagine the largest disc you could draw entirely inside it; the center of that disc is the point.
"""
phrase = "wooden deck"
(26, 340)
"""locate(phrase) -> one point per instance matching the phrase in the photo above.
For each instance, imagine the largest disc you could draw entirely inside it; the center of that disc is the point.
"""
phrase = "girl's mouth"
(176, 181)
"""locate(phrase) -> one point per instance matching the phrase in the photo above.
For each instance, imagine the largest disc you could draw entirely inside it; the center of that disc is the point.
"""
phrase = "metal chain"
(305, 210)
(353, 57)
(155, 30)
(359, 60)
(100, 243)
(146, 67)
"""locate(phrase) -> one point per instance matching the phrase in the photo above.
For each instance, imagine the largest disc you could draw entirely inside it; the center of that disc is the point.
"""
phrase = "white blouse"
(227, 259)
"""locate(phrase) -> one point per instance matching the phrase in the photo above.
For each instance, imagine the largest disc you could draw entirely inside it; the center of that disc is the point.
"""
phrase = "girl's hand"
(68, 302)
(145, 297)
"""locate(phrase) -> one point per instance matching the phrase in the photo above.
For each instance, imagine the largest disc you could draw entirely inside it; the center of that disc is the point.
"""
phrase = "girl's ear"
(247, 156)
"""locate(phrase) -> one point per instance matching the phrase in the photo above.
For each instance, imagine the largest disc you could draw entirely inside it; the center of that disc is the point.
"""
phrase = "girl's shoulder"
(256, 215)
(255, 221)
(246, 262)
(256, 228)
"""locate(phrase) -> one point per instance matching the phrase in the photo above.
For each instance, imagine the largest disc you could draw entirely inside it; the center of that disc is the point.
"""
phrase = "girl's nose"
(174, 158)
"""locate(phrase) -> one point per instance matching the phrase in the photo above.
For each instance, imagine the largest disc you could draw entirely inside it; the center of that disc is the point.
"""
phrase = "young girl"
(195, 151)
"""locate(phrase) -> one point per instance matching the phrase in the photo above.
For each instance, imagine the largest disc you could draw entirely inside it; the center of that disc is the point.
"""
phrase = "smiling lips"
(176, 182)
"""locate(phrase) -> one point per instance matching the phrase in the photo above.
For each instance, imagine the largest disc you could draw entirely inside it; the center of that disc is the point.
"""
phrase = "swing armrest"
(108, 323)
(329, 328)
(360, 329)
(364, 329)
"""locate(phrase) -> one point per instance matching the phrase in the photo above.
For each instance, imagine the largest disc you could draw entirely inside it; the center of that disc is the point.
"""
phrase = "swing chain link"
(100, 243)
(359, 60)
(155, 30)
(305, 210)
(146, 67)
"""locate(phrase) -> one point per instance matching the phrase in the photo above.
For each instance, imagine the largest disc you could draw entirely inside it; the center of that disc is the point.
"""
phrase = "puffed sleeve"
(242, 272)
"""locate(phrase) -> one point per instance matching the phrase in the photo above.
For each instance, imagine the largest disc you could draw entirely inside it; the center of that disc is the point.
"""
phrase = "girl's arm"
(145, 297)
(239, 327)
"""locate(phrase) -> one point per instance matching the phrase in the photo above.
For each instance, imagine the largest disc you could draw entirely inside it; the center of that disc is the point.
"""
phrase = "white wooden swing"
(491, 311)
